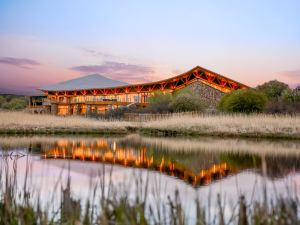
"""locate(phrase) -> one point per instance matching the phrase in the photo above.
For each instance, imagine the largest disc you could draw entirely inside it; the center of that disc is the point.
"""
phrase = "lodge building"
(97, 94)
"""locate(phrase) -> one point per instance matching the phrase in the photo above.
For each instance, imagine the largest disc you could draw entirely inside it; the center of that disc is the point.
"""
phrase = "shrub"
(181, 100)
(273, 88)
(282, 106)
(292, 96)
(244, 101)
(160, 102)
(15, 104)
(288, 102)
(185, 102)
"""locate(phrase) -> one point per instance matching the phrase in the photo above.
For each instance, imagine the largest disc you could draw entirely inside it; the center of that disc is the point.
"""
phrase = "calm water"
(198, 167)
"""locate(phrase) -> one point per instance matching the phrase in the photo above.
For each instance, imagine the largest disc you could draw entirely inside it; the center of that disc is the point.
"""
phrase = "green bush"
(160, 102)
(185, 102)
(291, 96)
(288, 103)
(243, 101)
(181, 100)
(15, 104)
(273, 88)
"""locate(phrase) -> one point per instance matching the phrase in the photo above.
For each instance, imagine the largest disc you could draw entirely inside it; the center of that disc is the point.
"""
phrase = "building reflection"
(111, 152)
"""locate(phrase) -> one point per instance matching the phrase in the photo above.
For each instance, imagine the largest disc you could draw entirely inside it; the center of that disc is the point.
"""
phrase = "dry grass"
(178, 124)
(18, 122)
(228, 125)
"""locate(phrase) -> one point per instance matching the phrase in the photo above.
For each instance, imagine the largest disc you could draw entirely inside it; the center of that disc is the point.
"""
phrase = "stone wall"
(54, 109)
(206, 93)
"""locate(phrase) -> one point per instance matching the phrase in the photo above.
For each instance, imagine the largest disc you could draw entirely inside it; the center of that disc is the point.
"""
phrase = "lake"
(196, 168)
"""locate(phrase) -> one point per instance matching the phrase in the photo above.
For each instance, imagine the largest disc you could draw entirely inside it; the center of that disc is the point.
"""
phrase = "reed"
(20, 122)
(240, 125)
(115, 206)
(237, 125)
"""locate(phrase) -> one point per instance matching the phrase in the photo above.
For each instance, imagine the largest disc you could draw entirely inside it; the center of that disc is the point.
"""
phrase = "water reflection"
(138, 157)
(197, 162)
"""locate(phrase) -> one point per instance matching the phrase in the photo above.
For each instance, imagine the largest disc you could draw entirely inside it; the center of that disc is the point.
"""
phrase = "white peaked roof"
(93, 81)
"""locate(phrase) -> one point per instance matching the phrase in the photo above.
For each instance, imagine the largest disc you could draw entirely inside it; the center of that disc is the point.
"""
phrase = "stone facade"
(53, 109)
(206, 93)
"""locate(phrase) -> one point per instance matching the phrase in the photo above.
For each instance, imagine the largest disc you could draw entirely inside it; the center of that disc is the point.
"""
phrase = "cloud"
(19, 62)
(99, 54)
(119, 71)
(292, 74)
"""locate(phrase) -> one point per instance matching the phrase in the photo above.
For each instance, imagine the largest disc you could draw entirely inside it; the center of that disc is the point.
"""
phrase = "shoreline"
(61, 131)
(172, 133)
(143, 131)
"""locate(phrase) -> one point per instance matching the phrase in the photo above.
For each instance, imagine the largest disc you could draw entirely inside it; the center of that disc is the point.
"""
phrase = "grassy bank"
(260, 125)
(24, 123)
(257, 126)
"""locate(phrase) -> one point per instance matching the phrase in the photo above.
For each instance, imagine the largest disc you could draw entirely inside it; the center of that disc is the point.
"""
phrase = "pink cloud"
(293, 77)
(19, 62)
(292, 74)
(120, 71)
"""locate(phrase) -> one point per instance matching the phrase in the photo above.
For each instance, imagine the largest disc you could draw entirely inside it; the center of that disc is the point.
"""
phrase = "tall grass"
(20, 122)
(109, 204)
(258, 125)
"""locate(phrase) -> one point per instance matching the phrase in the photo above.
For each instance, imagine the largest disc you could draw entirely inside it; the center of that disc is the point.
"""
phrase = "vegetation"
(254, 125)
(20, 122)
(179, 101)
(187, 102)
(12, 102)
(273, 88)
(270, 97)
(281, 99)
(115, 206)
(287, 102)
(243, 101)
(239, 125)
(160, 102)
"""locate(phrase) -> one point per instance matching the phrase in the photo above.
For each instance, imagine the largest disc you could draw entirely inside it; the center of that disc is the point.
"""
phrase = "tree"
(244, 101)
(289, 102)
(291, 96)
(273, 88)
(185, 102)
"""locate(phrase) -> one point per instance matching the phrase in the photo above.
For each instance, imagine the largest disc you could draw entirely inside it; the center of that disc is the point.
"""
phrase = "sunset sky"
(45, 42)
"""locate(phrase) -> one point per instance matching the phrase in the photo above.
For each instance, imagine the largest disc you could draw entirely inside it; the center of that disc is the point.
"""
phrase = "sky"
(45, 42)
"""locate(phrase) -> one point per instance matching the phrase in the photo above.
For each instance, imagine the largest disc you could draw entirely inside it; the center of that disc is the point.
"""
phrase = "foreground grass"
(260, 125)
(22, 205)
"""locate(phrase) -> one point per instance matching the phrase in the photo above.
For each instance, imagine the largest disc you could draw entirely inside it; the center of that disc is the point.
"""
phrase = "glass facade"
(82, 104)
